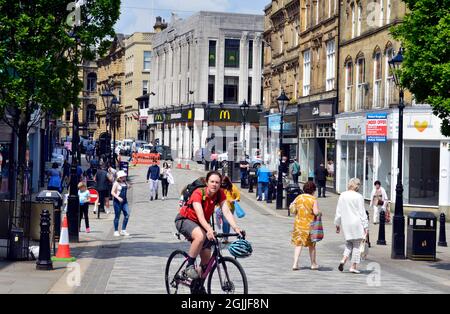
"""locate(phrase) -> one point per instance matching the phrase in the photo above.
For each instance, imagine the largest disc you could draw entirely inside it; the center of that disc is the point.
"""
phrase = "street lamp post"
(205, 118)
(114, 108)
(107, 97)
(244, 111)
(283, 100)
(164, 125)
(398, 230)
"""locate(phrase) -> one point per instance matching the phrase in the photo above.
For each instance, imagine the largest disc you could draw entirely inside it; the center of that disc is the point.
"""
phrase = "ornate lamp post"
(205, 118)
(244, 111)
(283, 100)
(114, 111)
(398, 229)
(107, 97)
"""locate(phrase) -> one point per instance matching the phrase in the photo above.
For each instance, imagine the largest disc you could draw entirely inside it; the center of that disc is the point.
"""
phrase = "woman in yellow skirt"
(305, 208)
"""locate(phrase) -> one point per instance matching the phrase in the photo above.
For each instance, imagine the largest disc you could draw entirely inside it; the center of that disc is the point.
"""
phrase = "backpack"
(189, 190)
(295, 168)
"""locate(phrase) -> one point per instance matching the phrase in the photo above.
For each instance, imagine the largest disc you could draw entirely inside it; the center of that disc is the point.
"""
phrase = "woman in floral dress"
(305, 208)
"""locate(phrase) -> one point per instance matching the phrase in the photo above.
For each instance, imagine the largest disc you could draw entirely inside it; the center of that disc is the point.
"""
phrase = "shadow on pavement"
(444, 266)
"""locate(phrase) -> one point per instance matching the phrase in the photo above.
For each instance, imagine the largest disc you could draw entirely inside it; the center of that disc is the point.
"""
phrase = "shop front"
(225, 127)
(317, 143)
(366, 155)
(173, 128)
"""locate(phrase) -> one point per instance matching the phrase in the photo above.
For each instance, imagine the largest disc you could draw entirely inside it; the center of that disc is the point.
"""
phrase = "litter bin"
(16, 250)
(292, 191)
(421, 236)
(57, 200)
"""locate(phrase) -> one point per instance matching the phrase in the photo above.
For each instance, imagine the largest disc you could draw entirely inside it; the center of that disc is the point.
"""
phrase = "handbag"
(364, 249)
(380, 202)
(316, 231)
(240, 213)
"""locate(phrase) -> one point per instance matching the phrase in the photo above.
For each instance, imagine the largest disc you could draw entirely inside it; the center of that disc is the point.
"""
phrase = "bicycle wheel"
(176, 282)
(227, 277)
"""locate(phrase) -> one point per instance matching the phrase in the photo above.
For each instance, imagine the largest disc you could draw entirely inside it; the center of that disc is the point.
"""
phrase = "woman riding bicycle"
(192, 221)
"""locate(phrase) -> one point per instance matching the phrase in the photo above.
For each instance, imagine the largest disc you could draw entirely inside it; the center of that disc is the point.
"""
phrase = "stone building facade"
(203, 65)
(111, 72)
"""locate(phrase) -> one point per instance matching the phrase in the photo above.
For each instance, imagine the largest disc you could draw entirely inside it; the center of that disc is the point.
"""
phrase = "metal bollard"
(381, 232)
(442, 237)
(250, 183)
(44, 262)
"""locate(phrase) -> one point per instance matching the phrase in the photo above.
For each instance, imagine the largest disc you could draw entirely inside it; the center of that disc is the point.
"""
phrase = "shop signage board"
(376, 128)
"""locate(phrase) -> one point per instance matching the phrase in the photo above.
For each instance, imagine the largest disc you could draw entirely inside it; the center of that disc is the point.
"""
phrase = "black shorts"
(185, 226)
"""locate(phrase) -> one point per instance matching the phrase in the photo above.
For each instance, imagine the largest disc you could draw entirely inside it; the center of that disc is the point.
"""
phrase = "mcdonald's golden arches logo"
(159, 117)
(189, 114)
(225, 115)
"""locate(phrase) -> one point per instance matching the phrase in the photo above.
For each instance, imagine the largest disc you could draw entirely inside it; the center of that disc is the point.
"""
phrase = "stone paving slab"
(141, 258)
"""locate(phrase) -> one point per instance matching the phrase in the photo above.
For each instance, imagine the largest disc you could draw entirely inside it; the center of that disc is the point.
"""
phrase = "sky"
(139, 15)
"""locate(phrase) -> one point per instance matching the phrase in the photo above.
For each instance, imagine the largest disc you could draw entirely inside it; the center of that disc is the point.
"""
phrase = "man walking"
(103, 181)
(295, 170)
(153, 173)
(263, 175)
(321, 177)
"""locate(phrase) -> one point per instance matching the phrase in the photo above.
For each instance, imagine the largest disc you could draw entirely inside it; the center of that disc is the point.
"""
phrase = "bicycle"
(226, 281)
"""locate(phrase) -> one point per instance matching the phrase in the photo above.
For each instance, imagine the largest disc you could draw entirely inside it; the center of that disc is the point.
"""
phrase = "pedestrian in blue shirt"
(263, 175)
(54, 182)
(153, 173)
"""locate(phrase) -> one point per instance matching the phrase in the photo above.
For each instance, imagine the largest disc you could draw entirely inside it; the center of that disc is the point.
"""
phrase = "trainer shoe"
(124, 233)
(116, 234)
(191, 272)
(88, 230)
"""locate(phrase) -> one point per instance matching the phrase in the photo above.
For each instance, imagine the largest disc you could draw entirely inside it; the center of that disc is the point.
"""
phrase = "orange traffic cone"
(63, 254)
(187, 164)
(179, 164)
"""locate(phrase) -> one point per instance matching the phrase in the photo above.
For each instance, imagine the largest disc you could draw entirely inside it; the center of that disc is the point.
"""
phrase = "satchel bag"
(316, 231)
(240, 213)
(380, 202)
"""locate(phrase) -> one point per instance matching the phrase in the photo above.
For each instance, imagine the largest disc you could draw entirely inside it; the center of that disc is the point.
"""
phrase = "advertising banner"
(376, 127)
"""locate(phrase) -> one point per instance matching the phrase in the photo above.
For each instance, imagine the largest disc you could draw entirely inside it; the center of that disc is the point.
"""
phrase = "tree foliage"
(425, 35)
(38, 63)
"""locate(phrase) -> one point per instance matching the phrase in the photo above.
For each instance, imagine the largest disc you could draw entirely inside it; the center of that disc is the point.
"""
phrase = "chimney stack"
(160, 25)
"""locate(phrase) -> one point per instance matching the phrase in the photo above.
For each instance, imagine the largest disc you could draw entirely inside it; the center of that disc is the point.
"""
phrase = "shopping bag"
(364, 249)
(316, 231)
(238, 210)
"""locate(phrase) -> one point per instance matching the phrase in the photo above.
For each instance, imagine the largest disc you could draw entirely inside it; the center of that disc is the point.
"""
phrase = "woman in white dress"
(351, 217)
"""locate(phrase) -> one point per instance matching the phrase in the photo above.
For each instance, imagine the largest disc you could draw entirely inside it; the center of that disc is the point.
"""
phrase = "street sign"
(93, 196)
(376, 127)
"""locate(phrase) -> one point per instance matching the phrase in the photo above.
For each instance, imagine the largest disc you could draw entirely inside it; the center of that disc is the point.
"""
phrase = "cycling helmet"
(240, 248)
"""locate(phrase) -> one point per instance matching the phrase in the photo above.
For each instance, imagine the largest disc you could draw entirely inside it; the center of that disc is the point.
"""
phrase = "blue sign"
(274, 122)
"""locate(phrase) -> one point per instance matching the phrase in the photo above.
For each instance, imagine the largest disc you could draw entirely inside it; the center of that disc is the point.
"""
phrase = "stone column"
(220, 69)
(201, 80)
(257, 70)
(243, 68)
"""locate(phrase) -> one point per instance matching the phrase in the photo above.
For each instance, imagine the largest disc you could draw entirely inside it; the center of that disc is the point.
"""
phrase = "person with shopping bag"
(351, 217)
(306, 209)
(233, 195)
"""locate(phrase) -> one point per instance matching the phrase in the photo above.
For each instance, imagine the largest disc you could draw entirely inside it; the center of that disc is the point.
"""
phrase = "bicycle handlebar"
(224, 235)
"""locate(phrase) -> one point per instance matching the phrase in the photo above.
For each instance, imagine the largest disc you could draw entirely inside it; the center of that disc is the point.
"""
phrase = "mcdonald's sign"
(225, 115)
(159, 118)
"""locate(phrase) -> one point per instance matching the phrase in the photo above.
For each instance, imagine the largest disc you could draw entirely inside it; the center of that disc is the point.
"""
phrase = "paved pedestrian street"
(136, 264)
